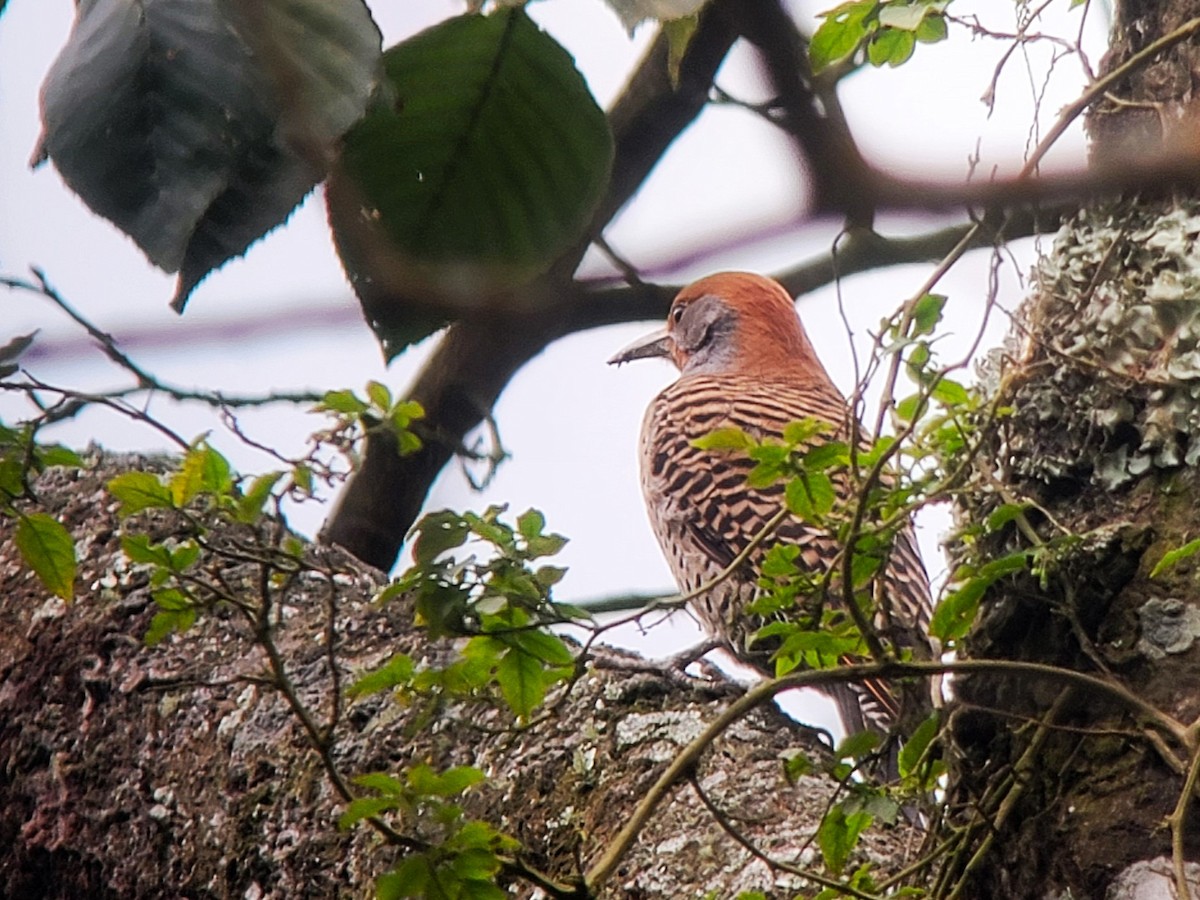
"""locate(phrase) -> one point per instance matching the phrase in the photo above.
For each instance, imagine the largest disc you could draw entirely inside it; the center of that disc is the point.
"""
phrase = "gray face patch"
(705, 333)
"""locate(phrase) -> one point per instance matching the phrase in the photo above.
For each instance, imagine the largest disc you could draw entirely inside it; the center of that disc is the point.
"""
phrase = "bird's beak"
(660, 343)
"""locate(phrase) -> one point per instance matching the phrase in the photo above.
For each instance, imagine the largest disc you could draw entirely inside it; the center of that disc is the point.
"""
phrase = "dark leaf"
(437, 533)
(16, 347)
(161, 118)
(483, 167)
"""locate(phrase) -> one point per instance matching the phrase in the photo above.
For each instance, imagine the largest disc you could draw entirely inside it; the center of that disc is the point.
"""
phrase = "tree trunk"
(1099, 437)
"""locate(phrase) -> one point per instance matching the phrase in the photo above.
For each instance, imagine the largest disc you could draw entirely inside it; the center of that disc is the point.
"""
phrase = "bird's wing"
(701, 497)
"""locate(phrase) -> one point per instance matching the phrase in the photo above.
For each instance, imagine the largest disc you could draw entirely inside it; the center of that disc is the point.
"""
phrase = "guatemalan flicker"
(746, 362)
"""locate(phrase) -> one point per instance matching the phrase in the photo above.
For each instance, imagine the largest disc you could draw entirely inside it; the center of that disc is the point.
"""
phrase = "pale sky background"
(570, 421)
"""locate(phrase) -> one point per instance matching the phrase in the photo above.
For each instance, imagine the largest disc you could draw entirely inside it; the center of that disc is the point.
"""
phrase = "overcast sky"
(570, 422)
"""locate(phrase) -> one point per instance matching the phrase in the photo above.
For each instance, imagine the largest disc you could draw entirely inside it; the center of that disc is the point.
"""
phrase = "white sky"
(570, 421)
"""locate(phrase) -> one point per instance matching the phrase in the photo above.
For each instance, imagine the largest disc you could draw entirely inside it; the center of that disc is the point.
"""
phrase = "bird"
(746, 362)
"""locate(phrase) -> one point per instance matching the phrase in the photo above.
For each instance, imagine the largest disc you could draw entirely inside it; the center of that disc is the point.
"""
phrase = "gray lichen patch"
(1109, 348)
(1167, 626)
(671, 729)
(1151, 879)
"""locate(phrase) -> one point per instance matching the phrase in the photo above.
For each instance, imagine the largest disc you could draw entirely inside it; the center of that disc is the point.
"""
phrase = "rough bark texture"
(1102, 381)
(179, 771)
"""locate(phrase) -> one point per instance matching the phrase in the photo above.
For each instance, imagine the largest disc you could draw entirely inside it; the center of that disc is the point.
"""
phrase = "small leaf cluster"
(865, 803)
(889, 30)
(460, 857)
(920, 363)
(354, 415)
(499, 596)
(815, 470)
(203, 482)
(971, 580)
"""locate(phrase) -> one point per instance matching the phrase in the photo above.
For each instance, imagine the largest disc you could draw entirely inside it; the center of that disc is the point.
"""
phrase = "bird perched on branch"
(746, 363)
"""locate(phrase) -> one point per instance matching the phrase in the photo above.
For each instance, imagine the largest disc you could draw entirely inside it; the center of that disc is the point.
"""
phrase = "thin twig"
(1178, 822)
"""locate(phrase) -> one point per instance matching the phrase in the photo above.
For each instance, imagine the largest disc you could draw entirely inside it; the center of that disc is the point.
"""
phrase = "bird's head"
(730, 323)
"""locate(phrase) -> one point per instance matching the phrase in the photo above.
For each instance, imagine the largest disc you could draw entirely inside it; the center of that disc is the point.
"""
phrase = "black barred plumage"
(746, 363)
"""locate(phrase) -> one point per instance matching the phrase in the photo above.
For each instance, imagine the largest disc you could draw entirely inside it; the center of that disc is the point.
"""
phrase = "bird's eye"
(677, 314)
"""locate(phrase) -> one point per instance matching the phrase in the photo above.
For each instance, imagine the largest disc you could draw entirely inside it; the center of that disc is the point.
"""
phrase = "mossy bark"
(1099, 434)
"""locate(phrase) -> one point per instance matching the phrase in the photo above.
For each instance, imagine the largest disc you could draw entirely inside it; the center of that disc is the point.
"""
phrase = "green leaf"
(1173, 557)
(484, 165)
(827, 455)
(161, 626)
(137, 491)
(804, 430)
(838, 835)
(856, 746)
(184, 555)
(1004, 514)
(379, 395)
(449, 783)
(932, 29)
(927, 312)
(890, 46)
(549, 648)
(176, 613)
(953, 617)
(908, 408)
(530, 523)
(437, 533)
(364, 808)
(406, 411)
(730, 438)
(173, 125)
(140, 549)
(917, 744)
(547, 577)
(203, 470)
(863, 567)
(344, 401)
(381, 783)
(425, 781)
(250, 504)
(796, 765)
(842, 30)
(302, 478)
(58, 455)
(951, 394)
(47, 548)
(395, 672)
(905, 16)
(409, 879)
(780, 561)
(522, 682)
(1006, 565)
(810, 496)
(545, 545)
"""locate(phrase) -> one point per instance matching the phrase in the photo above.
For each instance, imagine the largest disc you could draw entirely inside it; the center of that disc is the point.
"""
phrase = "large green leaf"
(191, 140)
(483, 167)
(47, 548)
